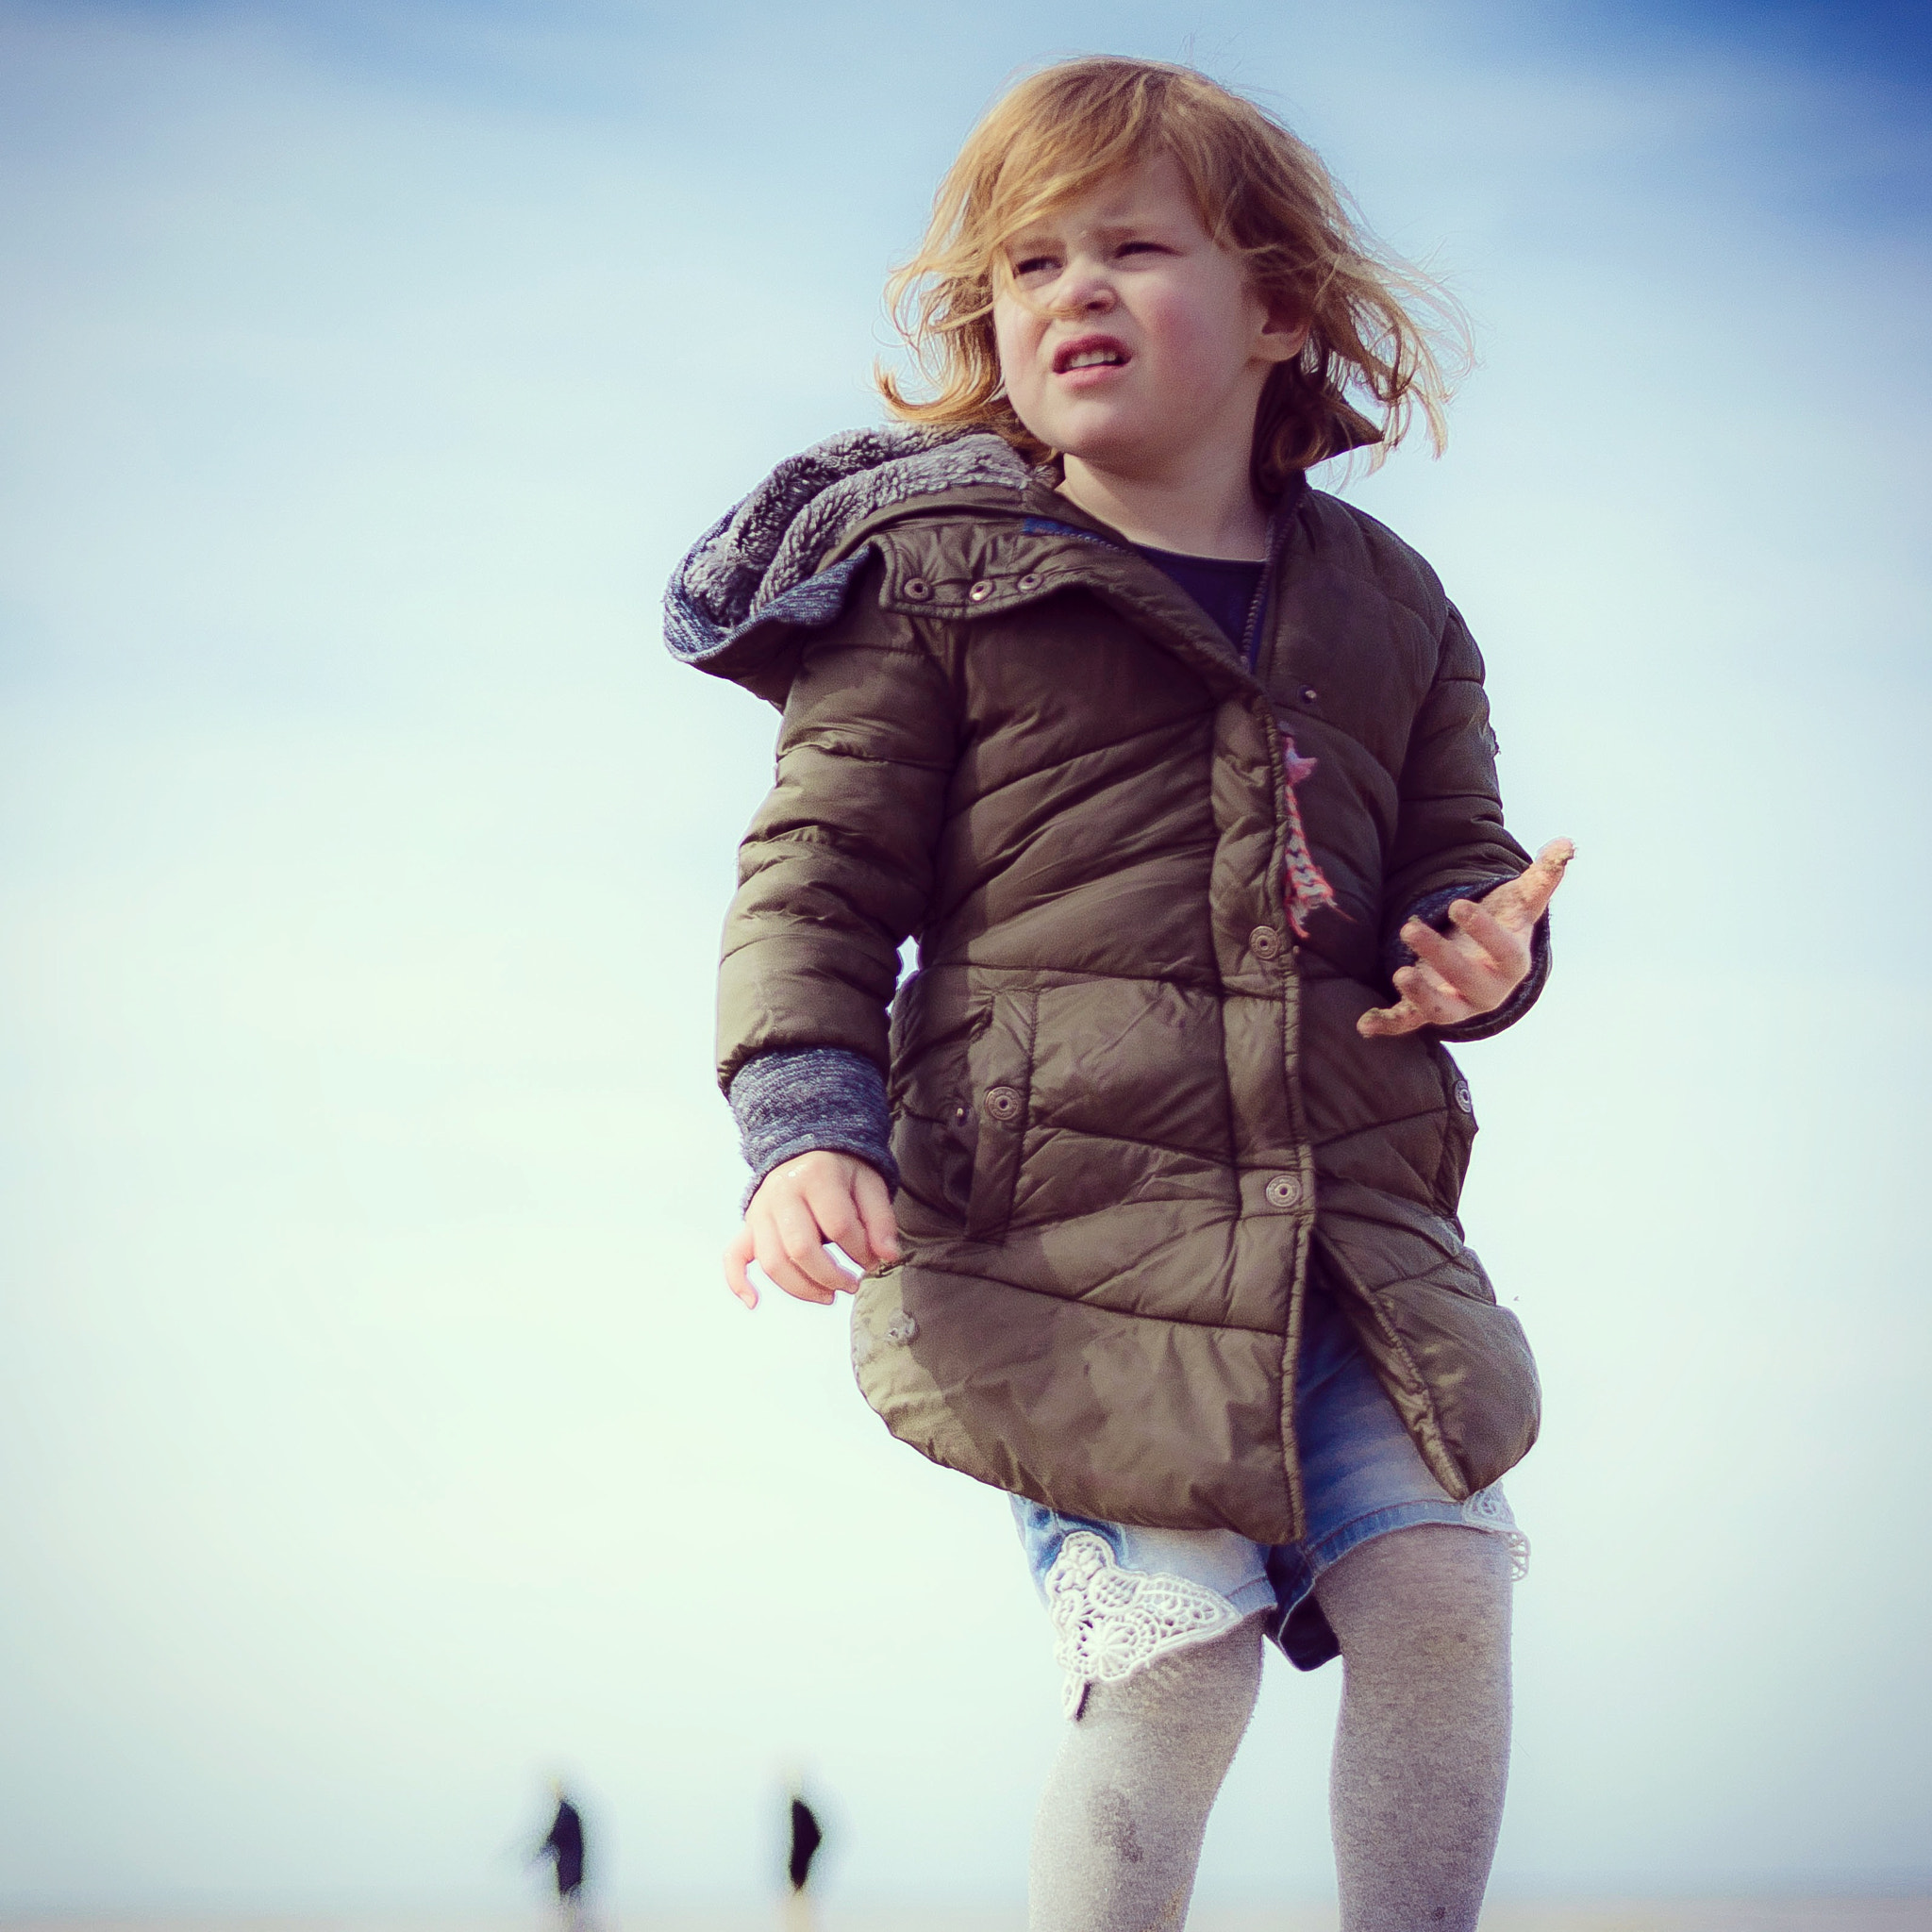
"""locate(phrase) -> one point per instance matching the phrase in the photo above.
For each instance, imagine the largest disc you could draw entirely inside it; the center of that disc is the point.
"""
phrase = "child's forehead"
(1148, 189)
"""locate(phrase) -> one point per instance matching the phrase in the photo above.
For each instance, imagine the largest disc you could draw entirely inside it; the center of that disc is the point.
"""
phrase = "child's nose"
(1087, 294)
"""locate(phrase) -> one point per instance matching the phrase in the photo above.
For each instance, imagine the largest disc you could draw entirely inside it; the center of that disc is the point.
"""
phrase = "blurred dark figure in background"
(806, 1837)
(565, 1848)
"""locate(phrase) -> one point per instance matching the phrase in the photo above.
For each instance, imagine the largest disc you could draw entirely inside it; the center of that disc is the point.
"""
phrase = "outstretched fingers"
(1494, 944)
(1460, 964)
(1427, 999)
(1475, 968)
(1524, 899)
(1386, 1023)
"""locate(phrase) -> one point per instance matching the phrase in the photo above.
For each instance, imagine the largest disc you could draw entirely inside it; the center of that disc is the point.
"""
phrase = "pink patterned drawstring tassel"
(1308, 891)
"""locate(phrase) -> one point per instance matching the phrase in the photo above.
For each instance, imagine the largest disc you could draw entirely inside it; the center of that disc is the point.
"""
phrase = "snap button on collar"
(1264, 942)
(1002, 1103)
(981, 590)
(917, 589)
(1282, 1191)
(1030, 582)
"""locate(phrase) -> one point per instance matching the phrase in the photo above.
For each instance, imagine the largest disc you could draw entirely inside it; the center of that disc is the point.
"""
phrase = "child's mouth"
(1089, 352)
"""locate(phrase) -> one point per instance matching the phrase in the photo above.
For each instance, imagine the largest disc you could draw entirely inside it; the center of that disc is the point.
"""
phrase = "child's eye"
(1139, 248)
(1035, 265)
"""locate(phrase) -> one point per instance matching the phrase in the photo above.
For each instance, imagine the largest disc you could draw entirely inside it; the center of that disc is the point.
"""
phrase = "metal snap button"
(1309, 694)
(1002, 1103)
(1264, 942)
(1462, 1100)
(959, 1113)
(917, 589)
(1282, 1191)
(1030, 581)
(981, 590)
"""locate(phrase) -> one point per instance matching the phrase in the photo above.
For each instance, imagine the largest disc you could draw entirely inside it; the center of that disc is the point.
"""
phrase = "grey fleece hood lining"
(772, 545)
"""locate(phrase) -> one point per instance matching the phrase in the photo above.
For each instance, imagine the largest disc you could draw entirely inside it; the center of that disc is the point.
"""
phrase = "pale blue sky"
(374, 1433)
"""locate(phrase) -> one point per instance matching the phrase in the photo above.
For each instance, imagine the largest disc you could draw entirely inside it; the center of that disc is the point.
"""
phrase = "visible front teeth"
(1093, 359)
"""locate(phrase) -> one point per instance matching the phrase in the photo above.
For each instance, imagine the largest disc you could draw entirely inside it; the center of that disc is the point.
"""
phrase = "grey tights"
(1421, 1753)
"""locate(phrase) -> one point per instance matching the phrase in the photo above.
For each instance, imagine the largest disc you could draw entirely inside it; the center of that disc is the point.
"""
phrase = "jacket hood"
(764, 560)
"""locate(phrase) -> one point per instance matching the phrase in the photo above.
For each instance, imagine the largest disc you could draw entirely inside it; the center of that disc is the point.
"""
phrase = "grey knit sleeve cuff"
(1434, 911)
(820, 1097)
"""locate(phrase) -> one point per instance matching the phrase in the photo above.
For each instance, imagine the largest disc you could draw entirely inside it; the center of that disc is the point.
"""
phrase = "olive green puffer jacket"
(1126, 1096)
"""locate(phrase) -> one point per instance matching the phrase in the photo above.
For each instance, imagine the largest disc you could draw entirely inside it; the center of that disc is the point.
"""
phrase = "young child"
(1181, 775)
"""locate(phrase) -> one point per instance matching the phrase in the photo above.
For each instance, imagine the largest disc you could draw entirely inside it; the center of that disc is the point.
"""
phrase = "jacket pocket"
(1000, 1061)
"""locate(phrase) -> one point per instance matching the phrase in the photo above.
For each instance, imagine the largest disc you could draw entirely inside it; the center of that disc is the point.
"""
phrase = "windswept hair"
(1380, 331)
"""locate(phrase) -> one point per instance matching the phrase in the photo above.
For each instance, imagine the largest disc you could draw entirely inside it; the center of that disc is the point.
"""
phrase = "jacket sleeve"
(788, 1104)
(1450, 841)
(837, 869)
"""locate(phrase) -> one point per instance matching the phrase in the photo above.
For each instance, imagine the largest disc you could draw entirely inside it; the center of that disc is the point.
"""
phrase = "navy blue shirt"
(1222, 587)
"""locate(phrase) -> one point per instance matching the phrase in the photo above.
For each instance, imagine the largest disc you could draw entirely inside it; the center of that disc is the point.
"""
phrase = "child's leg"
(1421, 1753)
(1121, 1822)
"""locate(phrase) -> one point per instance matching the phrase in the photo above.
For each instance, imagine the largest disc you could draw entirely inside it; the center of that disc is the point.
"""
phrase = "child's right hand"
(799, 1207)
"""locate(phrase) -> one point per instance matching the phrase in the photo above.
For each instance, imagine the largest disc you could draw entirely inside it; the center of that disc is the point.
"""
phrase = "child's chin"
(1124, 448)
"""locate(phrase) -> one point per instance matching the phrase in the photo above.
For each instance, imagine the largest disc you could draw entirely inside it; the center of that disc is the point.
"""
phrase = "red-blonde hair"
(1379, 330)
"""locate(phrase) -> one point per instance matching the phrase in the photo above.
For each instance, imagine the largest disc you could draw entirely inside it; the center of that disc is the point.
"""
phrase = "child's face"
(1129, 339)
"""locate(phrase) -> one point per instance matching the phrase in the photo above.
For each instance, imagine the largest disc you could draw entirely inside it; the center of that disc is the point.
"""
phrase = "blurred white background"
(376, 1437)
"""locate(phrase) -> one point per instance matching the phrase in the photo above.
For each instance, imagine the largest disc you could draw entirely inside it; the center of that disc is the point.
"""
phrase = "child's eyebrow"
(1056, 237)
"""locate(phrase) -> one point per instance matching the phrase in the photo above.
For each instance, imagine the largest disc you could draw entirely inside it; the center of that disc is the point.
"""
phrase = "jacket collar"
(975, 552)
(1049, 509)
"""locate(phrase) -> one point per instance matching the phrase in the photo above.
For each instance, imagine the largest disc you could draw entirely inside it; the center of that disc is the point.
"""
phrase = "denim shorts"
(1120, 1596)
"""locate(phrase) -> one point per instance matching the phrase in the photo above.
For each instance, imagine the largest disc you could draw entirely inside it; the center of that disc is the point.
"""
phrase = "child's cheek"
(1013, 340)
(1181, 338)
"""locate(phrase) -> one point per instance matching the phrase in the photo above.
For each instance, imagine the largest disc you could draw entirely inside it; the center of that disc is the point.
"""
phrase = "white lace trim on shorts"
(1108, 1623)
(1490, 1509)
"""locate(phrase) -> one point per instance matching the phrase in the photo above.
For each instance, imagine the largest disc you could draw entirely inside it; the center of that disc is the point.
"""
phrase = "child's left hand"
(1474, 969)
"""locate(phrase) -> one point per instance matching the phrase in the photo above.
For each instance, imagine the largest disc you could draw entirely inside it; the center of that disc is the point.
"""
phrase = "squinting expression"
(1128, 338)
